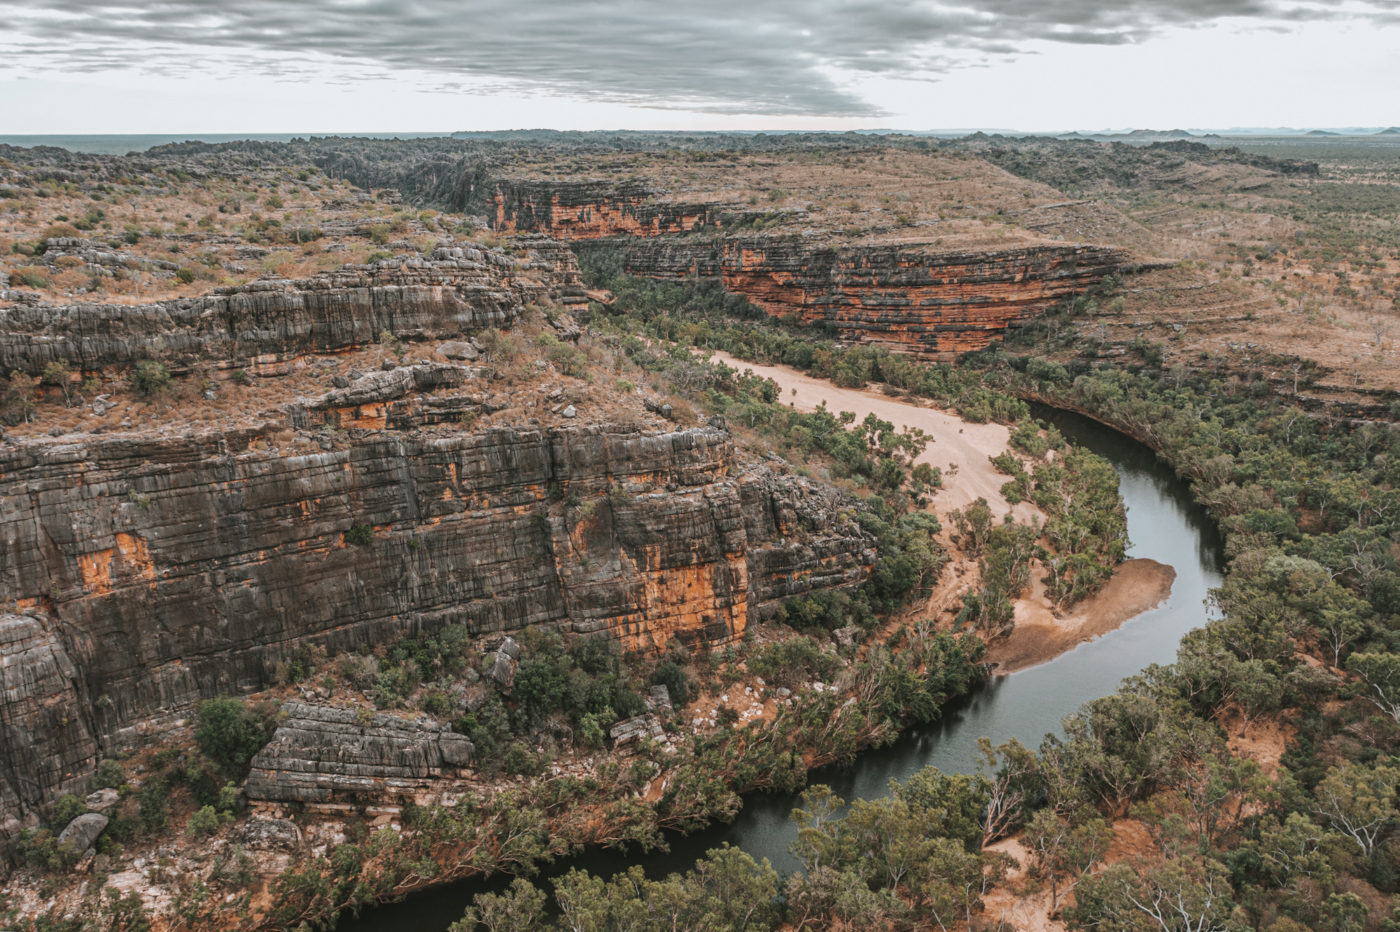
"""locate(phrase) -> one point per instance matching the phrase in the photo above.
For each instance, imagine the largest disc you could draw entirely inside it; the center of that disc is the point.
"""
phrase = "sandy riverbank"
(1137, 586)
(962, 450)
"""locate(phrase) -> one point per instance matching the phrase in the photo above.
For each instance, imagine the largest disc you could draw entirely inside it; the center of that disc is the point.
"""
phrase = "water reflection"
(1163, 524)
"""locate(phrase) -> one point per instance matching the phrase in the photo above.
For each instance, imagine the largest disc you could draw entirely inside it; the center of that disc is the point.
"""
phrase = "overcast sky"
(416, 65)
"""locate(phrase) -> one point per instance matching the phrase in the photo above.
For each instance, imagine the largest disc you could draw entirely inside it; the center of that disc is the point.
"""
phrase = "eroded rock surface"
(47, 748)
(320, 753)
(917, 299)
(184, 567)
(457, 290)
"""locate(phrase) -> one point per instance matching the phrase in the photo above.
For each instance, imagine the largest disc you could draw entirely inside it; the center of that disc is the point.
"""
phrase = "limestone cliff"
(160, 570)
(916, 297)
(912, 298)
(456, 290)
(574, 210)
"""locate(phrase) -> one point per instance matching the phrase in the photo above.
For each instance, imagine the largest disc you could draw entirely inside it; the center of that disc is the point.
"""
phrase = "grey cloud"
(727, 56)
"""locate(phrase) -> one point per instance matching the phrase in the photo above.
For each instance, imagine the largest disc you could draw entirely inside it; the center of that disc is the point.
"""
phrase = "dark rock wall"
(458, 290)
(171, 569)
(909, 298)
(574, 210)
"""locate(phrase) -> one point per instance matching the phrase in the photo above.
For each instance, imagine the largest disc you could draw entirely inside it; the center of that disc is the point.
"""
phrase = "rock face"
(458, 290)
(575, 210)
(47, 748)
(914, 299)
(170, 569)
(320, 753)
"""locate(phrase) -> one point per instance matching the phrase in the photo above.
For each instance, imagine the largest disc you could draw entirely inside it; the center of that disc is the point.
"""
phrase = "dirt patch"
(1261, 741)
(1018, 901)
(960, 449)
(1136, 587)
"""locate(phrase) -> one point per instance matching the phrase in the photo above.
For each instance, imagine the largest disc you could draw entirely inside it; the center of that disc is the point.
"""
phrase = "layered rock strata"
(320, 753)
(47, 747)
(575, 210)
(166, 569)
(459, 289)
(910, 298)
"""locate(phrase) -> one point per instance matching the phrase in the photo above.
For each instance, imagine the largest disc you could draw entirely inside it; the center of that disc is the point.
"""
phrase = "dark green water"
(1163, 524)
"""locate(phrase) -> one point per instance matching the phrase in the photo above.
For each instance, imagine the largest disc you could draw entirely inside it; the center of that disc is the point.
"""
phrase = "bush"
(110, 775)
(207, 821)
(155, 805)
(186, 276)
(149, 377)
(360, 535)
(67, 809)
(670, 675)
(229, 733)
(41, 850)
(29, 276)
(522, 761)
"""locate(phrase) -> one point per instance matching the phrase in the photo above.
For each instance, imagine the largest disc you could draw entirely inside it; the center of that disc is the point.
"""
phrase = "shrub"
(41, 850)
(155, 806)
(61, 231)
(670, 675)
(186, 276)
(436, 702)
(229, 733)
(110, 775)
(149, 377)
(68, 809)
(29, 276)
(360, 535)
(522, 761)
(207, 821)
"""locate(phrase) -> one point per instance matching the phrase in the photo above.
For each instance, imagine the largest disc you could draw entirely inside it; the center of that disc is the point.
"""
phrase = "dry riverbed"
(962, 451)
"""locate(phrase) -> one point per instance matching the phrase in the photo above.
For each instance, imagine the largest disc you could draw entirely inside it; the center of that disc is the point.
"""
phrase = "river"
(1164, 524)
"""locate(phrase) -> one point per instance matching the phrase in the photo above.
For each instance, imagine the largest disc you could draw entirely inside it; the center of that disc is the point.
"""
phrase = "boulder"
(104, 800)
(632, 729)
(457, 349)
(265, 834)
(83, 831)
(658, 699)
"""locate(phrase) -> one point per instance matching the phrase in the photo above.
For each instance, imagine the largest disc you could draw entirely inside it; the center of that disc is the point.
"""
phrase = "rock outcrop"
(911, 298)
(575, 210)
(172, 569)
(320, 753)
(47, 746)
(459, 289)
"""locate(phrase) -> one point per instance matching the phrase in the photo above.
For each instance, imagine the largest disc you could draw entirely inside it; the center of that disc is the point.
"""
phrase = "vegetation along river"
(1164, 524)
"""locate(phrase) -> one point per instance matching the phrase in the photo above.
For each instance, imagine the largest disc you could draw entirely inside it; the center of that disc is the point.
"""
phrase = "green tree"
(149, 377)
(229, 733)
(1359, 801)
(1380, 671)
(1064, 849)
(520, 908)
